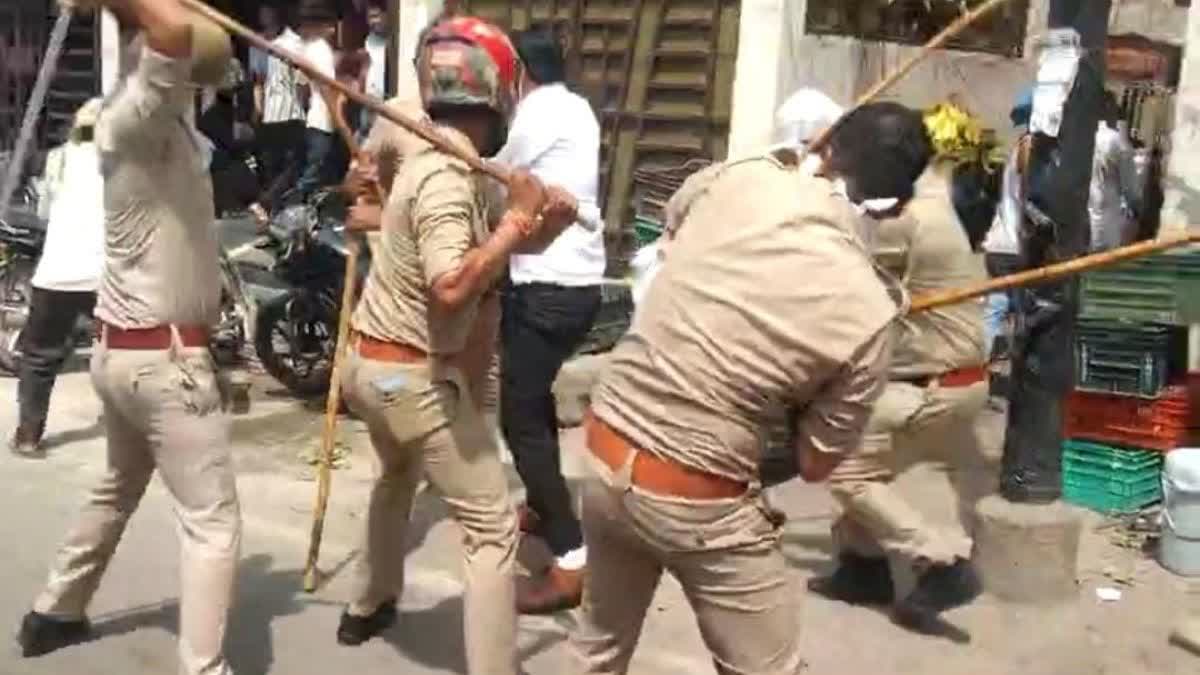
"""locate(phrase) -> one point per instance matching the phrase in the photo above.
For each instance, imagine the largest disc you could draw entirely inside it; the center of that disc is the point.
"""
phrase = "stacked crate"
(652, 189)
(1131, 403)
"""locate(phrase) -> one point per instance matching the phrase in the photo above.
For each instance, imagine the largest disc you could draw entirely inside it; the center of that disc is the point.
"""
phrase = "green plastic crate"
(1110, 478)
(1159, 289)
(646, 231)
(1128, 358)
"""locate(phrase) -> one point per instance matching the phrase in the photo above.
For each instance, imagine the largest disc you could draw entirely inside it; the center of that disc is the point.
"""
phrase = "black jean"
(47, 341)
(541, 326)
(281, 153)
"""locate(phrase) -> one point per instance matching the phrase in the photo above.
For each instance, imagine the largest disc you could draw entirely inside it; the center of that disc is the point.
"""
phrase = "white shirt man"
(556, 136)
(73, 253)
(320, 54)
(549, 308)
(281, 88)
(1113, 191)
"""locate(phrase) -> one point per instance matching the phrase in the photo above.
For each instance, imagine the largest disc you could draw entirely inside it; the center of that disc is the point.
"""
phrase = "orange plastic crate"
(1165, 423)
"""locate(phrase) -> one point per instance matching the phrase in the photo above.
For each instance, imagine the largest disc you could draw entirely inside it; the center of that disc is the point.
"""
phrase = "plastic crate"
(1110, 478)
(646, 231)
(1123, 357)
(1162, 424)
(1158, 289)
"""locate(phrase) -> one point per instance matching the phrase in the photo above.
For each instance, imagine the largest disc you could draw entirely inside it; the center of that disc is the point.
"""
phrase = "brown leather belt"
(382, 350)
(155, 337)
(653, 474)
(959, 377)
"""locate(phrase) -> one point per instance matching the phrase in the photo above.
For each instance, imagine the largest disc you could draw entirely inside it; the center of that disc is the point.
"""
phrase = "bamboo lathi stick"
(957, 26)
(333, 398)
(1053, 272)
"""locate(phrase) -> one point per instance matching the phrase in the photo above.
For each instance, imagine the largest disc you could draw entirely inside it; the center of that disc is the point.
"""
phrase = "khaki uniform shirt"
(766, 298)
(436, 211)
(161, 242)
(927, 249)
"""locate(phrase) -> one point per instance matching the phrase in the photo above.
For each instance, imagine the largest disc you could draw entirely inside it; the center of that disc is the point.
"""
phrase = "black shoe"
(355, 630)
(26, 443)
(939, 588)
(41, 634)
(858, 580)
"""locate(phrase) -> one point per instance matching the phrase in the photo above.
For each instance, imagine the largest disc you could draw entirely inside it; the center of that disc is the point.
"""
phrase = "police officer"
(158, 296)
(767, 296)
(423, 332)
(937, 386)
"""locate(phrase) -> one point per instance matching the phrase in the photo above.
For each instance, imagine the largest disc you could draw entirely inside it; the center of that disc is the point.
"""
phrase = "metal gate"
(24, 27)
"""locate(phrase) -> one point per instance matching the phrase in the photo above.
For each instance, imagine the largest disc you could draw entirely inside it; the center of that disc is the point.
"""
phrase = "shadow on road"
(60, 439)
(263, 595)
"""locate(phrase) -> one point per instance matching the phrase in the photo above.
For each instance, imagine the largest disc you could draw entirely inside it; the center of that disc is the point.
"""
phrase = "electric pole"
(1059, 175)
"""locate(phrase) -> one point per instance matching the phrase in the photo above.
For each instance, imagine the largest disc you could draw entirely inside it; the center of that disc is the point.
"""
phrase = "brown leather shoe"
(555, 591)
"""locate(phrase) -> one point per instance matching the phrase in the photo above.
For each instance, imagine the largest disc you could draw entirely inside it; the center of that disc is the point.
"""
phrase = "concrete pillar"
(1181, 205)
(110, 51)
(760, 33)
(414, 15)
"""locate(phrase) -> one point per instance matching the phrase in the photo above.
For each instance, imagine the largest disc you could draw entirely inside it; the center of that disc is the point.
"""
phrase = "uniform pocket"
(409, 403)
(692, 526)
(194, 379)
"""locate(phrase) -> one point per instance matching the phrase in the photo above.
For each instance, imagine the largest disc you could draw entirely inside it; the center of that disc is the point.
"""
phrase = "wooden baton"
(956, 27)
(1053, 272)
(333, 398)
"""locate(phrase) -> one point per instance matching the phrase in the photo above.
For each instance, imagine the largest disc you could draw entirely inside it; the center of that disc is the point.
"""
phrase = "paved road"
(277, 630)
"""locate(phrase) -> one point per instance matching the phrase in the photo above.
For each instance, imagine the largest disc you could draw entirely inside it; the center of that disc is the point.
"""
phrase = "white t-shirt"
(376, 46)
(281, 99)
(321, 55)
(73, 255)
(1002, 237)
(555, 135)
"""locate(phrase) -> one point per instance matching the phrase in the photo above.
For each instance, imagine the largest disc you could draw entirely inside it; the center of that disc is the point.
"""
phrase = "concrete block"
(1028, 553)
(572, 389)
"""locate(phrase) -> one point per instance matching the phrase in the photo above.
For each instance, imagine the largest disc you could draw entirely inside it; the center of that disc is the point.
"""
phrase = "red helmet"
(468, 61)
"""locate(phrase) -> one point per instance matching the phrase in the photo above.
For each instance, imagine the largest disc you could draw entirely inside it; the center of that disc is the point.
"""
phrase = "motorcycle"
(22, 236)
(295, 333)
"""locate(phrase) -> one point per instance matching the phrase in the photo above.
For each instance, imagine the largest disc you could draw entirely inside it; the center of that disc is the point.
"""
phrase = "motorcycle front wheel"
(295, 338)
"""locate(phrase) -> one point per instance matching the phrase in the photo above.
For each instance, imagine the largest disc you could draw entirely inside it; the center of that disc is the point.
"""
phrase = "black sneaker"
(26, 444)
(355, 630)
(41, 634)
(939, 588)
(858, 580)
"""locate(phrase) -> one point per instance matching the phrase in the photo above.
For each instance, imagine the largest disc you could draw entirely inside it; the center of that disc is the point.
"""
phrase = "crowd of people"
(720, 338)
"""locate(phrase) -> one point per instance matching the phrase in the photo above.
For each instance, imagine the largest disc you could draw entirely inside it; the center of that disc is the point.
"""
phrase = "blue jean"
(995, 317)
(319, 145)
(1000, 305)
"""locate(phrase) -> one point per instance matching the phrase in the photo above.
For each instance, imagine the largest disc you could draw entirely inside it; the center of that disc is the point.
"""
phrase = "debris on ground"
(1134, 531)
(340, 456)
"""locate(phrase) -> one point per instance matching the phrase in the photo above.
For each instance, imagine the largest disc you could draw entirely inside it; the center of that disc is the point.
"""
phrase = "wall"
(1182, 182)
(845, 67)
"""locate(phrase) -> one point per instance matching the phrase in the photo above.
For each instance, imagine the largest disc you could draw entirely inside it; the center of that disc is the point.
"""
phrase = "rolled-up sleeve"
(833, 422)
(153, 98)
(442, 219)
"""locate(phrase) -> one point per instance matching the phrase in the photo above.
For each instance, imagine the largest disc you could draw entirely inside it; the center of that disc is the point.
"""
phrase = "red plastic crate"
(1162, 424)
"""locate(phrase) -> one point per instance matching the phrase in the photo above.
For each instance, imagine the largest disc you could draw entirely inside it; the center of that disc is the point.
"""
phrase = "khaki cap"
(211, 52)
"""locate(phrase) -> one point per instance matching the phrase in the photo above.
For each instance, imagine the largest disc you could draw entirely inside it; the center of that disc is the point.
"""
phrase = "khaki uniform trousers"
(724, 553)
(163, 409)
(875, 520)
(422, 420)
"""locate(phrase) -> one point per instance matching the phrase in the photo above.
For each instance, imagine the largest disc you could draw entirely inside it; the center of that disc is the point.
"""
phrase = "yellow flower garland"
(952, 129)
